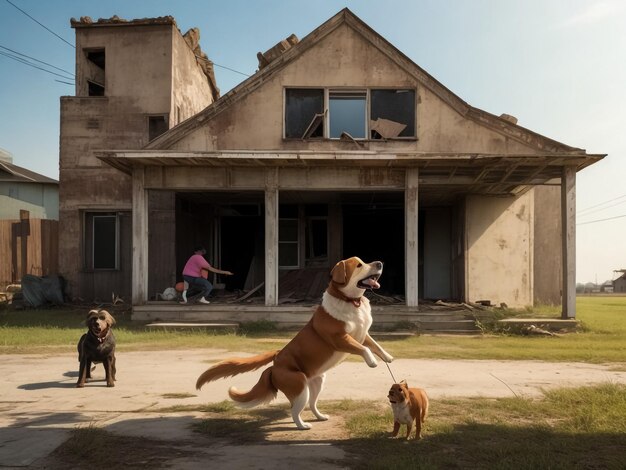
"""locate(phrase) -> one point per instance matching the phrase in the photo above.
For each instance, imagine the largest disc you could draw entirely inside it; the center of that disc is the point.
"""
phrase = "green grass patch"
(567, 429)
(602, 339)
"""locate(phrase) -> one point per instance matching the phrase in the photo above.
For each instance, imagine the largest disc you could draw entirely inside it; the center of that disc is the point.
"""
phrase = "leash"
(394, 379)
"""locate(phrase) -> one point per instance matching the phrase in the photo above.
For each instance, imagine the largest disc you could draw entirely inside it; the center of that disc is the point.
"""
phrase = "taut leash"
(394, 379)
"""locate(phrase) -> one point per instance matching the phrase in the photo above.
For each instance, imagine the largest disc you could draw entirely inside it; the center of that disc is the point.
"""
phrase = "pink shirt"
(194, 265)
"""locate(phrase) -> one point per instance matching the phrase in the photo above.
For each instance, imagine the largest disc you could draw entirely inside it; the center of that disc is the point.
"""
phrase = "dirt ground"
(148, 426)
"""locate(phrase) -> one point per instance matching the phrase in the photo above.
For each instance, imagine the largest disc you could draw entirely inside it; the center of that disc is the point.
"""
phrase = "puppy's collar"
(100, 338)
(332, 290)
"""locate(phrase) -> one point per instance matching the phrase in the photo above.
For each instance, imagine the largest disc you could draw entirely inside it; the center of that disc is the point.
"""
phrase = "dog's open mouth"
(370, 282)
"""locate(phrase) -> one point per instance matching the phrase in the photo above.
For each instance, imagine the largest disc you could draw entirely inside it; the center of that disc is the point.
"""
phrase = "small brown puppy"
(97, 345)
(408, 404)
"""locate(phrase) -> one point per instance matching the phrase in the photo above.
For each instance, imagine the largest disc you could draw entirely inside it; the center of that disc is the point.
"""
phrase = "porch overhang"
(477, 173)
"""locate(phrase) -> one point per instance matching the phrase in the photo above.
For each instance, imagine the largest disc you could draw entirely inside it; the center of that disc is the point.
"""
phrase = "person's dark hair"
(199, 248)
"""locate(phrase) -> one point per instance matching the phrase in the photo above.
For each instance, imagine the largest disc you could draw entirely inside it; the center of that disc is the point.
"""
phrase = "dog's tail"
(235, 366)
(263, 392)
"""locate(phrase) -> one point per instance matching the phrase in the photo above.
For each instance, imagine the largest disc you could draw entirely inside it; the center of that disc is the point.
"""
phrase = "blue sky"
(559, 66)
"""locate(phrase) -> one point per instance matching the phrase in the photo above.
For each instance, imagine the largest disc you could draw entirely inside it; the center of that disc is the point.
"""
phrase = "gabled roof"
(345, 16)
(14, 173)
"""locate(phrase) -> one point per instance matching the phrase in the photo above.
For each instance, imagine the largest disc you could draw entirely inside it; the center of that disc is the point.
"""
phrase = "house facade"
(134, 80)
(25, 190)
(29, 212)
(339, 145)
(619, 284)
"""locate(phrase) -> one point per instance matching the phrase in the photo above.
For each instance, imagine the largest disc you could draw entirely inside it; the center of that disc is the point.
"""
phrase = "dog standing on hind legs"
(97, 345)
(338, 327)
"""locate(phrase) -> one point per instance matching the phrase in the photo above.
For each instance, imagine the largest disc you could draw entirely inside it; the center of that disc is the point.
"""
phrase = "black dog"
(97, 345)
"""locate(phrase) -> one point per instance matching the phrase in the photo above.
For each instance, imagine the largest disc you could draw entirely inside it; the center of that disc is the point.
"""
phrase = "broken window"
(392, 113)
(157, 125)
(304, 113)
(94, 71)
(347, 114)
(101, 240)
(350, 114)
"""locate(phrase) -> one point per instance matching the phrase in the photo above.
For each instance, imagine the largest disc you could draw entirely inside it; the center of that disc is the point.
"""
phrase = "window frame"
(89, 242)
(295, 242)
(368, 112)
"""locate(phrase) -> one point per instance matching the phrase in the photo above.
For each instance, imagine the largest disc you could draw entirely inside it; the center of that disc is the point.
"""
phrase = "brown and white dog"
(338, 327)
(409, 405)
(97, 345)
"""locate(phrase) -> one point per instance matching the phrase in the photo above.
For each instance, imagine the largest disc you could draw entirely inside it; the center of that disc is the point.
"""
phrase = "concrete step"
(294, 317)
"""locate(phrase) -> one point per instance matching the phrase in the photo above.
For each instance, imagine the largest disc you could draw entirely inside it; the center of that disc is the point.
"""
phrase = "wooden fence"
(28, 246)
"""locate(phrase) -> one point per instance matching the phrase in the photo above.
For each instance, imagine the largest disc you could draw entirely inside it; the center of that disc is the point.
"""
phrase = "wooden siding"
(28, 246)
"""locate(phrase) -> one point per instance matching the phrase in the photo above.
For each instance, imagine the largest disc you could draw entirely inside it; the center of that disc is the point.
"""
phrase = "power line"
(602, 203)
(37, 60)
(602, 220)
(40, 24)
(25, 62)
(232, 70)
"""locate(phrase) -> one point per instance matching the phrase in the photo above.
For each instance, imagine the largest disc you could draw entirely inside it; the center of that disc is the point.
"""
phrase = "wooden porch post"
(139, 278)
(411, 235)
(568, 241)
(271, 237)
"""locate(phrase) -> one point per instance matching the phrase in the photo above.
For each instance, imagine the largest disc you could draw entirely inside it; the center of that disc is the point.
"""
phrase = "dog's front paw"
(369, 358)
(388, 358)
(110, 384)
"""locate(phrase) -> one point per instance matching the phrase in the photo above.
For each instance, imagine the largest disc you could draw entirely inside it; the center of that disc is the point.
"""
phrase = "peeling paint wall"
(548, 256)
(499, 248)
(342, 59)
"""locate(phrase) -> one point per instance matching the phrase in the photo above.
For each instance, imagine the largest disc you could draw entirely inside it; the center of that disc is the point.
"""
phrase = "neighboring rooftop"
(10, 172)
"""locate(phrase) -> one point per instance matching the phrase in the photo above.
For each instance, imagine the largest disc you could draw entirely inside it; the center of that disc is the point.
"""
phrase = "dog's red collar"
(100, 338)
(332, 290)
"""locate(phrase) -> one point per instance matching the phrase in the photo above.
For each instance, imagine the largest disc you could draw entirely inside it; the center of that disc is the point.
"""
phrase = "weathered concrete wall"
(548, 268)
(189, 84)
(342, 59)
(138, 63)
(141, 62)
(500, 249)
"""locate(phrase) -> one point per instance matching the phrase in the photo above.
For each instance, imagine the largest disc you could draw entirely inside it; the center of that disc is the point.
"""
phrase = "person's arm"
(219, 271)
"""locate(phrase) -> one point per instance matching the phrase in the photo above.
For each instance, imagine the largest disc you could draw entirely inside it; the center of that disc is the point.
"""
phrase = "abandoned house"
(339, 145)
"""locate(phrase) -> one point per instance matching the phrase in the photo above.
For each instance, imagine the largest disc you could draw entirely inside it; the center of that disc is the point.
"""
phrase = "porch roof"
(479, 173)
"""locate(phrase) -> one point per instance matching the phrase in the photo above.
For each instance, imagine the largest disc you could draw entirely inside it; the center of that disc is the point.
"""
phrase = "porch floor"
(386, 317)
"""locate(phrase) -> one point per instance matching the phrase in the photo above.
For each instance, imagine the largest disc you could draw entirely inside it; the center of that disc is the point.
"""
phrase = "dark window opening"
(97, 57)
(392, 113)
(304, 113)
(101, 240)
(317, 238)
(94, 71)
(157, 125)
(288, 243)
(347, 114)
(94, 89)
